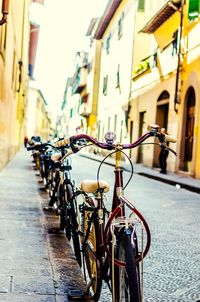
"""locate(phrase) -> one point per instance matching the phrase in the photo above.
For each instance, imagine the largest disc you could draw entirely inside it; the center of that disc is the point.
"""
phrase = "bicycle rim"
(127, 280)
(62, 207)
(90, 262)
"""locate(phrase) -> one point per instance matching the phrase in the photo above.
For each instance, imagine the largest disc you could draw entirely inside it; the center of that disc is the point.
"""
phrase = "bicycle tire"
(90, 262)
(71, 222)
(62, 207)
(127, 279)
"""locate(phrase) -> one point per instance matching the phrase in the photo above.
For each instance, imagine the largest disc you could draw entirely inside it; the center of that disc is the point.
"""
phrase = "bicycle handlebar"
(40, 146)
(109, 145)
(74, 141)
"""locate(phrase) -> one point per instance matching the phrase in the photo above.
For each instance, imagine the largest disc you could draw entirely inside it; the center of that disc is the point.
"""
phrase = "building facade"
(147, 72)
(38, 120)
(14, 43)
(166, 89)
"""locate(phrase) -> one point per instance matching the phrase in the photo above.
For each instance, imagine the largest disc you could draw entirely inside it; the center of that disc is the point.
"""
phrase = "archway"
(161, 119)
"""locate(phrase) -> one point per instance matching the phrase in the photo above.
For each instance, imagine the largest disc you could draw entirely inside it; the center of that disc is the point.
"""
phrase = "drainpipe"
(177, 99)
(4, 10)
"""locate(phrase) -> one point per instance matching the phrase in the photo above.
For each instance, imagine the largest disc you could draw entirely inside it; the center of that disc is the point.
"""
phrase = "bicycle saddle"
(91, 186)
(56, 157)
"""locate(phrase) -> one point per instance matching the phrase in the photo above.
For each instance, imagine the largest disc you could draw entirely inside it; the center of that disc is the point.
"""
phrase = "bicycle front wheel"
(71, 221)
(126, 277)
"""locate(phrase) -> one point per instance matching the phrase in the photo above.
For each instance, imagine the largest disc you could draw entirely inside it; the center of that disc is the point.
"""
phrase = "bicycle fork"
(123, 229)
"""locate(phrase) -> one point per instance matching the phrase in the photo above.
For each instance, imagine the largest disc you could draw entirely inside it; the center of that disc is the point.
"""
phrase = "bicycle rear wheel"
(126, 278)
(61, 206)
(90, 262)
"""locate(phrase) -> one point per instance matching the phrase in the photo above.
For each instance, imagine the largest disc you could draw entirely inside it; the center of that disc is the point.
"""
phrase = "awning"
(161, 16)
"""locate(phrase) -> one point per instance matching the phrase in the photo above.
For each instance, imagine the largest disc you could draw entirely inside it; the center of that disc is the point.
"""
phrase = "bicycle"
(61, 189)
(111, 249)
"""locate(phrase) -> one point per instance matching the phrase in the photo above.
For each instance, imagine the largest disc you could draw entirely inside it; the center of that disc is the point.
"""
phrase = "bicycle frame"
(102, 255)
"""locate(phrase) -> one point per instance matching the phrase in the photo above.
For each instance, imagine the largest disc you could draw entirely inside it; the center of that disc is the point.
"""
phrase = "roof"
(106, 18)
(161, 16)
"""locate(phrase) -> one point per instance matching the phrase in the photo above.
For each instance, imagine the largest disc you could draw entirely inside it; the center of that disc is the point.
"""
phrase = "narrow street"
(37, 264)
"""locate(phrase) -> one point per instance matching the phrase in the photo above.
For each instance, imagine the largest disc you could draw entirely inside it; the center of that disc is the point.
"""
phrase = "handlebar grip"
(170, 139)
(30, 148)
(62, 142)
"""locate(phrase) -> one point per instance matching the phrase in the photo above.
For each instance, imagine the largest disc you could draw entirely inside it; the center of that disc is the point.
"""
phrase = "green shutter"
(105, 84)
(194, 9)
(141, 5)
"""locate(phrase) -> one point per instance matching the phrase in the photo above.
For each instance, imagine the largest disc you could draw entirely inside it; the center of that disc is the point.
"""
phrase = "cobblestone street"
(37, 263)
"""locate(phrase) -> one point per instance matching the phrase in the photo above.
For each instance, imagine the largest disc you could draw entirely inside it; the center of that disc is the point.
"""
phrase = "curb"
(166, 180)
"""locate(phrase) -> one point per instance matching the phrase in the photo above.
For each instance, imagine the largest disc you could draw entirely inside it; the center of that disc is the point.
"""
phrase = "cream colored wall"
(145, 100)
(120, 53)
(37, 116)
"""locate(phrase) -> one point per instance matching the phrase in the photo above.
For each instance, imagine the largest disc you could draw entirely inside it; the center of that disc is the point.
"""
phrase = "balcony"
(145, 66)
(79, 80)
(85, 108)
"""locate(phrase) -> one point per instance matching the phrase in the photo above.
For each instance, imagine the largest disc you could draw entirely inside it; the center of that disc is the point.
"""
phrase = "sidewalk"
(178, 180)
(36, 265)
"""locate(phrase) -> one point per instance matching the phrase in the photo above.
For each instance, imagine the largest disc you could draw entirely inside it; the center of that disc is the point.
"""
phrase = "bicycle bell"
(110, 137)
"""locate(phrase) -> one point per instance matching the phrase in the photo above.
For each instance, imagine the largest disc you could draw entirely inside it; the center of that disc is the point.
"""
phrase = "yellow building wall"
(14, 37)
(93, 87)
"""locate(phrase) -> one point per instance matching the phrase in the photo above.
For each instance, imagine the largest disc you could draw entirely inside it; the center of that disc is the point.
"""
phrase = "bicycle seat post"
(118, 179)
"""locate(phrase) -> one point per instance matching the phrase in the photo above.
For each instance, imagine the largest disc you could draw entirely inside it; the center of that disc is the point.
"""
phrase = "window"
(141, 5)
(3, 33)
(120, 26)
(153, 60)
(105, 85)
(118, 78)
(121, 131)
(109, 123)
(71, 113)
(115, 123)
(108, 44)
(193, 9)
(175, 43)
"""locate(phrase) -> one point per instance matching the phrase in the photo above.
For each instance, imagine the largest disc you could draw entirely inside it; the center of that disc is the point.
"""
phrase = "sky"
(63, 27)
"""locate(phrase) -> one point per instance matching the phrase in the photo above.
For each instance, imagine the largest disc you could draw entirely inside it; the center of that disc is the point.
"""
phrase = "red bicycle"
(112, 248)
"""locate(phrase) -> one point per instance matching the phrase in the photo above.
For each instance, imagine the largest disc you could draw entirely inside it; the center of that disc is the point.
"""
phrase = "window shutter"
(141, 5)
(194, 9)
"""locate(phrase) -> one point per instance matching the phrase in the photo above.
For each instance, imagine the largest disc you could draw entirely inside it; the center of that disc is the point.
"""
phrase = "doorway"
(161, 120)
(188, 131)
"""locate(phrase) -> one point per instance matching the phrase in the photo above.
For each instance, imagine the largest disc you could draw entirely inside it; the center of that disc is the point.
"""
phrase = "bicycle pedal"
(75, 294)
